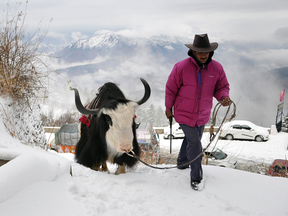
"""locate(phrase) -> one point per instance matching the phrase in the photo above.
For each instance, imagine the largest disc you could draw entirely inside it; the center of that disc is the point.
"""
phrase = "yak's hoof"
(102, 167)
(120, 169)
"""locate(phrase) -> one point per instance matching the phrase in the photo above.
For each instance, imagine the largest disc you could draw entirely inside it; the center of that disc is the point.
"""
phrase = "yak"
(108, 129)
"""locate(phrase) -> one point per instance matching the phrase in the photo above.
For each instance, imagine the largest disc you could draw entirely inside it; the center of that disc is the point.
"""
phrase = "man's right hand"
(169, 114)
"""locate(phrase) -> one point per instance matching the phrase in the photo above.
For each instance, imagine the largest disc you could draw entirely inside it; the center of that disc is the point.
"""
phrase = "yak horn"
(80, 106)
(85, 111)
(146, 94)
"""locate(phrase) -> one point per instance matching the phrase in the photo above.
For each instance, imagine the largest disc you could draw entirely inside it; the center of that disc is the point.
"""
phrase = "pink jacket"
(182, 91)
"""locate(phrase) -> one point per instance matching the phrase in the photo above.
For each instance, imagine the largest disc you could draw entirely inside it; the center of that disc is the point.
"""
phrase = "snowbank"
(36, 183)
(29, 168)
(27, 165)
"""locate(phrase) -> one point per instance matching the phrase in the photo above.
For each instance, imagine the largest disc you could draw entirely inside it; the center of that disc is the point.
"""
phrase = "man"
(190, 89)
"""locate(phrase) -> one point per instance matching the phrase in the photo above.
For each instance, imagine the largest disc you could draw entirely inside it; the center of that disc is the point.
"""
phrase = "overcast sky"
(221, 19)
(256, 32)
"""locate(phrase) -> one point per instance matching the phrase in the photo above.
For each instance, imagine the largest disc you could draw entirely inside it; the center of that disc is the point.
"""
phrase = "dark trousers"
(191, 147)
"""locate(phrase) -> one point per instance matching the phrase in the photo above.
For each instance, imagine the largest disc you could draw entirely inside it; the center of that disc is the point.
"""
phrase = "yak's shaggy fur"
(92, 150)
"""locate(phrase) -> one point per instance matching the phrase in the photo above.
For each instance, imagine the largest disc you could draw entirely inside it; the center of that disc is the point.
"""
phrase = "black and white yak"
(108, 129)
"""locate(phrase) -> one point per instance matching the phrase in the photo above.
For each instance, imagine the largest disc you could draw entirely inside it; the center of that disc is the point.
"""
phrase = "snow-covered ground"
(37, 182)
(260, 152)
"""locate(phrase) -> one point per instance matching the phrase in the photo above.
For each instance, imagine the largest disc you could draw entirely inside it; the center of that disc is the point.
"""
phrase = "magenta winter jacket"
(182, 91)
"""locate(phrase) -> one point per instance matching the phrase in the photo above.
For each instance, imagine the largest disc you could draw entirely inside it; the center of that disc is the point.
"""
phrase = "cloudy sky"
(254, 33)
(222, 19)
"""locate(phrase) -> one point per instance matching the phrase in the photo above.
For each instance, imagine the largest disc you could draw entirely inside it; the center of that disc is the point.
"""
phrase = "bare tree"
(68, 117)
(23, 76)
(23, 72)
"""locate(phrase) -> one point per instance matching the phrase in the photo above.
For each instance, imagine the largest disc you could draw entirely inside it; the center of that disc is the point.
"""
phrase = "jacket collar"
(190, 53)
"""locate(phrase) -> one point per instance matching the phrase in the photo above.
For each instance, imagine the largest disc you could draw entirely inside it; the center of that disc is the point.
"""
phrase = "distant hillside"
(281, 75)
(111, 57)
(116, 47)
(89, 63)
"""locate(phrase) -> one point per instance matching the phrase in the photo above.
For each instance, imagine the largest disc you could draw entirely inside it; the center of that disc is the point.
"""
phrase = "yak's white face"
(119, 137)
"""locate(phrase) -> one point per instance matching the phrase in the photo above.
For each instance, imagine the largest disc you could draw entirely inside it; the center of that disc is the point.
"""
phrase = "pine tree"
(160, 118)
(140, 115)
(151, 114)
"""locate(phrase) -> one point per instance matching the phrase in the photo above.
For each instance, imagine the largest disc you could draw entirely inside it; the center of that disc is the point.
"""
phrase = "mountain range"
(91, 62)
(119, 47)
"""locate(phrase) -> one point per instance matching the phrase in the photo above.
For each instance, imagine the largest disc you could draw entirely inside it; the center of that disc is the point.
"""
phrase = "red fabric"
(84, 120)
(282, 95)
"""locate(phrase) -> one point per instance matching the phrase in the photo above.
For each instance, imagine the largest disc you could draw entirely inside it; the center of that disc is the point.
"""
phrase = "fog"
(253, 87)
(222, 19)
(252, 37)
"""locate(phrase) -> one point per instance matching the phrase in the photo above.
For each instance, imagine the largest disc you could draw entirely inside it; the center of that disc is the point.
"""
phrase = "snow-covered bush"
(23, 122)
(23, 77)
(23, 72)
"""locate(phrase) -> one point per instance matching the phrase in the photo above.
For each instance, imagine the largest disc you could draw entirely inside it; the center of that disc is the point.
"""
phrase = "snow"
(111, 39)
(38, 182)
(107, 39)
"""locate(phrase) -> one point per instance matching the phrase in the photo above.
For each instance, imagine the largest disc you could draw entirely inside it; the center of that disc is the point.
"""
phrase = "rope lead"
(212, 135)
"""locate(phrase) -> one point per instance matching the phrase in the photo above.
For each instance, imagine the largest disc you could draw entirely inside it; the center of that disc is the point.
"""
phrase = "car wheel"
(170, 136)
(258, 138)
(229, 137)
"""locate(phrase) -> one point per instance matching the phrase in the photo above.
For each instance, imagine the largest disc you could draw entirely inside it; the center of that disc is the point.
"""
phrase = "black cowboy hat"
(201, 44)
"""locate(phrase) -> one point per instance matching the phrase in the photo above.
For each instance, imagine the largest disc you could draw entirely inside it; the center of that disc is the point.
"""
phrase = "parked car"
(246, 130)
(278, 168)
(177, 132)
(219, 158)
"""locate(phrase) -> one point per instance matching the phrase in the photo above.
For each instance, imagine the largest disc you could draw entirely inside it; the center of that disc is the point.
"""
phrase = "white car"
(246, 130)
(219, 158)
(177, 132)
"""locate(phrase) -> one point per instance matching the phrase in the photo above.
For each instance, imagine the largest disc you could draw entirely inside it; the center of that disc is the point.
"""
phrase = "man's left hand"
(226, 101)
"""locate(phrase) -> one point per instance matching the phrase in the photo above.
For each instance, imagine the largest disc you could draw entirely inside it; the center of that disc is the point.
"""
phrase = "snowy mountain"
(255, 83)
(116, 46)
(111, 57)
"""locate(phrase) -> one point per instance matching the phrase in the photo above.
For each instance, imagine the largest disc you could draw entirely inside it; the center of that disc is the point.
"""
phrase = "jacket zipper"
(199, 93)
